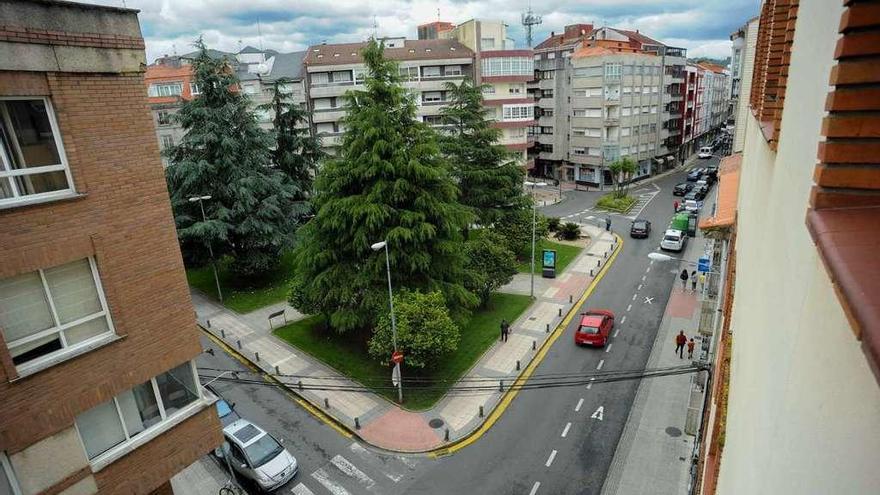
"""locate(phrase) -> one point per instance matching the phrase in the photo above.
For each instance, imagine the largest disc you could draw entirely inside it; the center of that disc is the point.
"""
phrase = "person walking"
(684, 280)
(691, 348)
(702, 282)
(505, 330)
(694, 281)
(608, 223)
(680, 341)
(675, 206)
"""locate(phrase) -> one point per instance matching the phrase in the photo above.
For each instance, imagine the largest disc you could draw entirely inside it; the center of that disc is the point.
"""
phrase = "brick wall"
(124, 221)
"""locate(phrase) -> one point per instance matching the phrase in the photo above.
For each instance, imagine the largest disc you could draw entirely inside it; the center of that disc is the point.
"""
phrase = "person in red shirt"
(680, 340)
(675, 206)
(691, 348)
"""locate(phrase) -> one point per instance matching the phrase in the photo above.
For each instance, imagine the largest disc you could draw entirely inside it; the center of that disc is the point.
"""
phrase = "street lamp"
(200, 200)
(376, 247)
(533, 185)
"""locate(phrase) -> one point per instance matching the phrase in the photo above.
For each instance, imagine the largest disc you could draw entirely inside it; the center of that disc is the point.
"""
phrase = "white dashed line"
(590, 385)
(623, 320)
(640, 287)
(301, 489)
(608, 348)
(651, 262)
(644, 277)
(550, 459)
(629, 307)
(634, 297)
(616, 332)
(599, 367)
(322, 477)
(565, 431)
(535, 488)
(578, 406)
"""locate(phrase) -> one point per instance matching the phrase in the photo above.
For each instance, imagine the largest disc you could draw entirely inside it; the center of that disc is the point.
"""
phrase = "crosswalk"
(644, 196)
(359, 471)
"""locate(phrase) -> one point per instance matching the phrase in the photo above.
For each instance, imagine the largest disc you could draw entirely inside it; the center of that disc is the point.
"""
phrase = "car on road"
(673, 240)
(695, 175)
(696, 194)
(691, 206)
(256, 455)
(225, 410)
(640, 229)
(596, 325)
(682, 189)
(705, 152)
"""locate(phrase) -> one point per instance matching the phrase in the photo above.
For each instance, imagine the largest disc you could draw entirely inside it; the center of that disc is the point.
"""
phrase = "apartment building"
(798, 398)
(97, 333)
(434, 30)
(169, 83)
(742, 61)
(425, 65)
(601, 94)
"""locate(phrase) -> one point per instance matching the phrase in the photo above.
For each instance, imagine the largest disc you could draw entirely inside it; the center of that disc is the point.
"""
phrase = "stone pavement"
(203, 477)
(382, 423)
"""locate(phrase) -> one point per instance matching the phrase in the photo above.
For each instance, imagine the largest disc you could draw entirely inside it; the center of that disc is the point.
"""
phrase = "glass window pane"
(36, 142)
(41, 183)
(5, 188)
(73, 290)
(177, 388)
(139, 407)
(35, 349)
(87, 330)
(100, 429)
(24, 309)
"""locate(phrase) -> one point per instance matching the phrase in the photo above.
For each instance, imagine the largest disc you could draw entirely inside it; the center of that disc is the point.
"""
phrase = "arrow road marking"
(599, 413)
(649, 300)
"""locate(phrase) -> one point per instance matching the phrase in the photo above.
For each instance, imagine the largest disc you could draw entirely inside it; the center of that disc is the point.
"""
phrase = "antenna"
(530, 19)
(438, 15)
(260, 34)
(174, 48)
(375, 27)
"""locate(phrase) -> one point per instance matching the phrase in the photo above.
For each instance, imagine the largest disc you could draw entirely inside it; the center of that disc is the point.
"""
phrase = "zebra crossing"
(644, 197)
(359, 471)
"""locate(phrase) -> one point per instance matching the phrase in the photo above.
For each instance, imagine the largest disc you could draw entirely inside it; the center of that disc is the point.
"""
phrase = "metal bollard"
(591, 272)
(598, 262)
(277, 370)
(534, 345)
(547, 329)
(605, 255)
(357, 423)
(560, 311)
(239, 344)
(501, 385)
(326, 403)
(208, 322)
(257, 355)
(517, 365)
(570, 299)
(481, 411)
(446, 435)
(300, 384)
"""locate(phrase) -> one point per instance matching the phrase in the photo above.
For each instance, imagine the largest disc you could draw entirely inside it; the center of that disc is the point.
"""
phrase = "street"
(554, 441)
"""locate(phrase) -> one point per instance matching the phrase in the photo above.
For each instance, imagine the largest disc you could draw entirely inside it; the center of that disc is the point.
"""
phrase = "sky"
(171, 26)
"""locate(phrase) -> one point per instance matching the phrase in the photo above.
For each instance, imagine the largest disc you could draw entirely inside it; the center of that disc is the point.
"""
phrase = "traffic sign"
(395, 374)
(397, 357)
(703, 265)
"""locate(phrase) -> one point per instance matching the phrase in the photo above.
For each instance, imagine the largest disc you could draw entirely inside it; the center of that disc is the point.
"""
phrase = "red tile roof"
(635, 35)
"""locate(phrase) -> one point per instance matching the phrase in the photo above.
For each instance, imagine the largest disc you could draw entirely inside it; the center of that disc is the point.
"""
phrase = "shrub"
(553, 223)
(613, 203)
(569, 231)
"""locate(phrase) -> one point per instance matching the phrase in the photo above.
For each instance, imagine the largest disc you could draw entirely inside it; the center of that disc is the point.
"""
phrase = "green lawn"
(564, 254)
(611, 202)
(348, 354)
(242, 297)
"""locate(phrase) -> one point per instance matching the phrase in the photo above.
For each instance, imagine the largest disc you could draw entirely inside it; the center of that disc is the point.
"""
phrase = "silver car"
(257, 455)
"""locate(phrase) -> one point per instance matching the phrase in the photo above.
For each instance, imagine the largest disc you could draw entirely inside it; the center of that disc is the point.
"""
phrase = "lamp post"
(533, 185)
(375, 247)
(200, 200)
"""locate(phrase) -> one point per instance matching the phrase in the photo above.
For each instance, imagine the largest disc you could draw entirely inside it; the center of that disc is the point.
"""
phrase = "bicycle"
(231, 488)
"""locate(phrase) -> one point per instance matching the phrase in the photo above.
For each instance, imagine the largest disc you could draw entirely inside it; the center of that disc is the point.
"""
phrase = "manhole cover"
(437, 423)
(673, 432)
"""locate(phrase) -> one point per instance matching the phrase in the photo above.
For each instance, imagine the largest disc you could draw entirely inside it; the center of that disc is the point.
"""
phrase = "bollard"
(605, 255)
(517, 365)
(560, 311)
(598, 262)
(481, 411)
(277, 371)
(570, 299)
(446, 435)
(357, 423)
(222, 333)
(591, 272)
(257, 355)
(208, 322)
(326, 403)
(501, 385)
(300, 384)
(534, 345)
(239, 344)
(547, 329)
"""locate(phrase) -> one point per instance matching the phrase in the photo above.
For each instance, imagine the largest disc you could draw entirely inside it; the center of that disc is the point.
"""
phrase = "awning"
(728, 191)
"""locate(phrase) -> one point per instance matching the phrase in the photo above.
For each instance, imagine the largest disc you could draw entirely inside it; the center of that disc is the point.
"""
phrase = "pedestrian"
(680, 340)
(702, 282)
(608, 223)
(694, 281)
(691, 348)
(505, 330)
(684, 279)
(675, 206)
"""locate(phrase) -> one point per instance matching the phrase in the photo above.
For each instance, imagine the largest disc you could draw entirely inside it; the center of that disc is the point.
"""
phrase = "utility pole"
(530, 19)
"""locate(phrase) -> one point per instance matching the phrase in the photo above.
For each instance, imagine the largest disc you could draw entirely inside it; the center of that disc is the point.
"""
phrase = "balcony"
(611, 121)
(328, 114)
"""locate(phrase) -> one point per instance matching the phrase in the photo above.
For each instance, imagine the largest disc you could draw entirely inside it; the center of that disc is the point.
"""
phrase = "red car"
(596, 325)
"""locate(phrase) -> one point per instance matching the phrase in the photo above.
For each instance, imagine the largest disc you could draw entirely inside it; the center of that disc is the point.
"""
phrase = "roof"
(711, 67)
(350, 53)
(592, 51)
(728, 192)
(287, 65)
(215, 54)
(592, 320)
(637, 36)
(250, 49)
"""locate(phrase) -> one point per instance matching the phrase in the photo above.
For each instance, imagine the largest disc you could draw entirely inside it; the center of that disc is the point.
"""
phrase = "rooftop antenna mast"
(260, 34)
(530, 19)
(375, 27)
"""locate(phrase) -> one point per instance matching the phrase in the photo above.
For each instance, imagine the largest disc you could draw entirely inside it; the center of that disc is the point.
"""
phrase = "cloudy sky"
(169, 26)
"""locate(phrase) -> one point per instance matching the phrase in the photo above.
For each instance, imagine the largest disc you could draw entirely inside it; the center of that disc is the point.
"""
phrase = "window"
(646, 109)
(46, 312)
(546, 130)
(325, 128)
(167, 141)
(546, 74)
(487, 43)
(547, 112)
(653, 108)
(431, 71)
(612, 71)
(578, 131)
(433, 119)
(360, 75)
(8, 483)
(409, 73)
(579, 151)
(32, 161)
(587, 112)
(547, 93)
(655, 89)
(135, 411)
(516, 133)
(588, 71)
(518, 112)
(646, 89)
(508, 66)
(624, 131)
(488, 90)
(166, 89)
(453, 70)
(593, 151)
(627, 90)
(194, 89)
(320, 78)
(624, 150)
(432, 96)
(163, 117)
(342, 76)
(514, 90)
(551, 55)
(593, 132)
(625, 111)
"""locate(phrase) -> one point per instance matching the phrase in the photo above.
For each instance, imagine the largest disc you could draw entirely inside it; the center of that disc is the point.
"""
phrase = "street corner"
(682, 304)
(401, 431)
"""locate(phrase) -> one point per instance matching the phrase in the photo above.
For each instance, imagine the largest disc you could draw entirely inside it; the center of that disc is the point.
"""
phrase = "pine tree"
(490, 180)
(225, 154)
(388, 182)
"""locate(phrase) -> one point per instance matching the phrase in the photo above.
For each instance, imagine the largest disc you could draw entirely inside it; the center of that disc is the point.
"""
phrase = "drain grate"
(436, 423)
(673, 432)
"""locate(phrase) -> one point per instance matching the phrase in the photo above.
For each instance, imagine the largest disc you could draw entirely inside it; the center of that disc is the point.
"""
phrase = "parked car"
(695, 175)
(692, 206)
(705, 152)
(225, 410)
(673, 240)
(640, 229)
(696, 194)
(682, 189)
(596, 325)
(257, 455)
(703, 184)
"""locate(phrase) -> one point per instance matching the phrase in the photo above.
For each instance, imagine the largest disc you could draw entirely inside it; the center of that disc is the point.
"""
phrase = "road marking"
(333, 487)
(599, 413)
(535, 488)
(644, 277)
(550, 459)
(579, 404)
(301, 489)
(648, 270)
(634, 297)
(352, 472)
(590, 385)
(608, 348)
(640, 288)
(565, 431)
(616, 332)
(651, 262)
(623, 320)
(599, 367)
(375, 460)
(649, 300)
(629, 307)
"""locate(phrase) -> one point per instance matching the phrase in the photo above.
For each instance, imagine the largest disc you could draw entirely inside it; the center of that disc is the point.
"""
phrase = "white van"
(673, 240)
(705, 152)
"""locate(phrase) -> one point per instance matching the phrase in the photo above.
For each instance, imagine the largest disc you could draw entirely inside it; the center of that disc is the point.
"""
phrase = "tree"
(490, 263)
(425, 332)
(569, 231)
(388, 182)
(296, 152)
(516, 230)
(622, 171)
(490, 180)
(225, 154)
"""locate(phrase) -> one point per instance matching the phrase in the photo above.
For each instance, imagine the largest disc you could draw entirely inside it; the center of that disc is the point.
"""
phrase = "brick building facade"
(97, 334)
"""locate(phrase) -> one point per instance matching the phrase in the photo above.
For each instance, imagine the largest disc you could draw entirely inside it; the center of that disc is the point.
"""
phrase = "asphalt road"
(554, 441)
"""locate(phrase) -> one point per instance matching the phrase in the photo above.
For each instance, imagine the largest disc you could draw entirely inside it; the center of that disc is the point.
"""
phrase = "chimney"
(552, 33)
(637, 31)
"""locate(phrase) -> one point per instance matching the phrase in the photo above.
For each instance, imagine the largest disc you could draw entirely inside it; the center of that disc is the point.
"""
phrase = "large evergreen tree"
(490, 180)
(388, 182)
(225, 154)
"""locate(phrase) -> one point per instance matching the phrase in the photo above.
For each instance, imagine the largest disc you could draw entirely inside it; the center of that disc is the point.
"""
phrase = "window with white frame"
(409, 73)
(624, 150)
(578, 131)
(452, 70)
(587, 71)
(32, 161)
(49, 311)
(593, 132)
(646, 109)
(167, 141)
(612, 70)
(432, 96)
(487, 43)
(516, 133)
(322, 103)
(431, 71)
(488, 89)
(325, 128)
(194, 89)
(138, 410)
(653, 108)
(433, 119)
(8, 483)
(514, 90)
(166, 89)
(655, 89)
(587, 112)
(551, 55)
(646, 90)
(508, 66)
(624, 131)
(342, 76)
(518, 112)
(163, 117)
(627, 90)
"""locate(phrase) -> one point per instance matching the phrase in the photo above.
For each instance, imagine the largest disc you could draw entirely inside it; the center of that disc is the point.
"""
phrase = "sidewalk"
(656, 446)
(203, 477)
(382, 423)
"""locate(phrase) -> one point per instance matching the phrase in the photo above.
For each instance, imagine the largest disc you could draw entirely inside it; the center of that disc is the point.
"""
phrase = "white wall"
(804, 411)
(745, 92)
